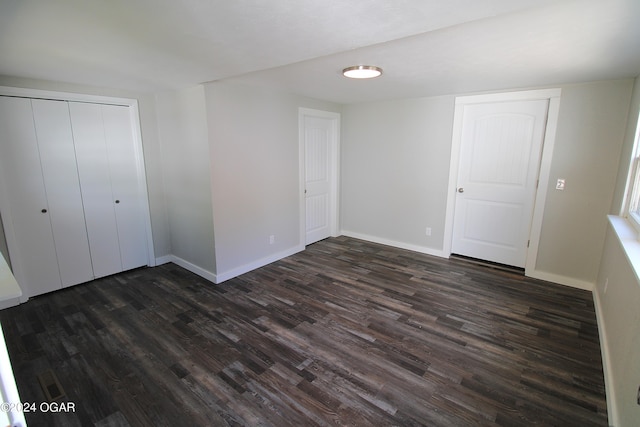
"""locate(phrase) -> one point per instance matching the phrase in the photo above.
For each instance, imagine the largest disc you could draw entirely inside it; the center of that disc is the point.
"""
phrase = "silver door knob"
(460, 190)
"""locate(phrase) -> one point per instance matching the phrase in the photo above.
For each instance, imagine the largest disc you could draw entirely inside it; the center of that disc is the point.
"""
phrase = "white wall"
(182, 126)
(395, 170)
(222, 171)
(617, 297)
(150, 143)
(253, 140)
(395, 158)
(396, 164)
(618, 302)
(591, 127)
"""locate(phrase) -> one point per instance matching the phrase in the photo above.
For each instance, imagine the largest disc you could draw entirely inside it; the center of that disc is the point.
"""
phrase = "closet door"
(62, 186)
(123, 168)
(97, 195)
(33, 255)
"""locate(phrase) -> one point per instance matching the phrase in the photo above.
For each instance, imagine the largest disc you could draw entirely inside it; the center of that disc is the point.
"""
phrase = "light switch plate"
(560, 184)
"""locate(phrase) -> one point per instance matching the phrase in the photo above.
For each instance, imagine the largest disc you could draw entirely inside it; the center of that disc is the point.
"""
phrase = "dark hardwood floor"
(345, 333)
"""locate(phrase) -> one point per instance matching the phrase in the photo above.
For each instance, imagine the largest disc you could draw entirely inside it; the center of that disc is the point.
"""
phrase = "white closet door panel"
(58, 160)
(34, 256)
(124, 180)
(99, 205)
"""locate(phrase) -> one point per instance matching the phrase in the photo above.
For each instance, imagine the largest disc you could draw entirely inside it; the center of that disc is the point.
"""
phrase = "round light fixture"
(362, 72)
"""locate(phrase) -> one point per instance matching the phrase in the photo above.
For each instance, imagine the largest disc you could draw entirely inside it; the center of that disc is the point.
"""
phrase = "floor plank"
(345, 333)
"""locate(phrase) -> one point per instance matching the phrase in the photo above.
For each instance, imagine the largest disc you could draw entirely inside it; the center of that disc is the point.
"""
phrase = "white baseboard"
(11, 302)
(205, 274)
(416, 248)
(164, 259)
(612, 409)
(230, 274)
(561, 280)
(536, 274)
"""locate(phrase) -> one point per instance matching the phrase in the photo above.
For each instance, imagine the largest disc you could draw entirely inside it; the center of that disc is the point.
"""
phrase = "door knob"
(460, 190)
(117, 201)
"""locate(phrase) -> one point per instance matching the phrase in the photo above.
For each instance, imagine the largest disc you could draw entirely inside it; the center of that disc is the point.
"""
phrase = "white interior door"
(62, 185)
(25, 209)
(97, 194)
(501, 145)
(320, 169)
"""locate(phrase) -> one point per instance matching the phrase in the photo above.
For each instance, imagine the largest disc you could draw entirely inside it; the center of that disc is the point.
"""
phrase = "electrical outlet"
(272, 239)
(560, 184)
(428, 231)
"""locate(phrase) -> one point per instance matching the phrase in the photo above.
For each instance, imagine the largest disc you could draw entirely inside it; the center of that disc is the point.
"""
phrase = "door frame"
(553, 96)
(137, 138)
(334, 199)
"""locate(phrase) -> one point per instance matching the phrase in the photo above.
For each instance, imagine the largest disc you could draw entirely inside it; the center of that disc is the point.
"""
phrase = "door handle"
(460, 190)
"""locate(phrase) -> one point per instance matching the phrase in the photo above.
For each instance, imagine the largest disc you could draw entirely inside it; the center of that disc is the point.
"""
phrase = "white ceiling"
(426, 47)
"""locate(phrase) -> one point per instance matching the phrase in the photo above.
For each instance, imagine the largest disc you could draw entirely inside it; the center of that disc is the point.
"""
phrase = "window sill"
(629, 240)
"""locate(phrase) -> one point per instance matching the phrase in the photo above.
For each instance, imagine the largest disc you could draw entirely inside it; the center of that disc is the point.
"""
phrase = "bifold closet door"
(71, 192)
(127, 192)
(99, 205)
(62, 186)
(33, 257)
(108, 169)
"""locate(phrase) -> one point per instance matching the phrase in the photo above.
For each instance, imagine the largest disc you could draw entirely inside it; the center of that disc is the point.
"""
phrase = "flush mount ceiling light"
(362, 72)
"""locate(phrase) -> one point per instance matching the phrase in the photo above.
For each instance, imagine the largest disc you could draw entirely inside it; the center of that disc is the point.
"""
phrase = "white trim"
(142, 181)
(523, 95)
(205, 274)
(553, 95)
(137, 137)
(10, 291)
(633, 163)
(543, 184)
(395, 243)
(335, 169)
(65, 96)
(8, 389)
(628, 238)
(9, 235)
(562, 280)
(454, 162)
(221, 277)
(164, 259)
(610, 393)
(302, 238)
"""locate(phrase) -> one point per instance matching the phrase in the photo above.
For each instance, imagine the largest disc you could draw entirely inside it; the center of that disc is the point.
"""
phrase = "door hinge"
(528, 243)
